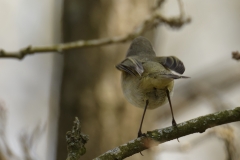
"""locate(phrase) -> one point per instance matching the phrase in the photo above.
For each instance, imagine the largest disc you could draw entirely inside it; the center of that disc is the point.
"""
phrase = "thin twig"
(153, 20)
(159, 136)
(226, 134)
(158, 5)
(181, 9)
(29, 140)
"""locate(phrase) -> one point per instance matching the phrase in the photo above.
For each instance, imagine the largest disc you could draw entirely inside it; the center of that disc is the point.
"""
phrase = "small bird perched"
(147, 81)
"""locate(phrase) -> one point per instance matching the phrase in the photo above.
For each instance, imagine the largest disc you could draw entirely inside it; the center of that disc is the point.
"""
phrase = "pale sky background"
(28, 88)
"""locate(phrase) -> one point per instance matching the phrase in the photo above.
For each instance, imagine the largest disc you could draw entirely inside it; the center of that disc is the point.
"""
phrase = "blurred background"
(41, 94)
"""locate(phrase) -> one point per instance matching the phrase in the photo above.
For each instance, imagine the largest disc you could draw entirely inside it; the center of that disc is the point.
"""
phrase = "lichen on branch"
(76, 141)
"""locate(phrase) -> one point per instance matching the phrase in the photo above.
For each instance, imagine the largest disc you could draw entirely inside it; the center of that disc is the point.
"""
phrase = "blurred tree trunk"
(91, 84)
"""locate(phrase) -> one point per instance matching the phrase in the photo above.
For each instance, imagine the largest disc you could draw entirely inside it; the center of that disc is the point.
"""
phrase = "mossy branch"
(76, 141)
(158, 136)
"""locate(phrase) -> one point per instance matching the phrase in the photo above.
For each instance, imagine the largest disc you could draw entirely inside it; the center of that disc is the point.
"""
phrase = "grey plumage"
(147, 79)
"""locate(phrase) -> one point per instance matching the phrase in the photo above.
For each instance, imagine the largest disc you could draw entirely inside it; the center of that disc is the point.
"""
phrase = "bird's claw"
(174, 124)
(140, 134)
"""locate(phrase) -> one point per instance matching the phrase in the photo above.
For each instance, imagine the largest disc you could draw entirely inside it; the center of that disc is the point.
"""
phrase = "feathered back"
(140, 46)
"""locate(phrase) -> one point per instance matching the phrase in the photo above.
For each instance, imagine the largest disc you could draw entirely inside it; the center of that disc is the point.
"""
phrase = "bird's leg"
(169, 100)
(140, 128)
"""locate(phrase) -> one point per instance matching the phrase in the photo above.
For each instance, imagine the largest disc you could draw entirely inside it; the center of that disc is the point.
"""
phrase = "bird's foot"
(140, 134)
(174, 124)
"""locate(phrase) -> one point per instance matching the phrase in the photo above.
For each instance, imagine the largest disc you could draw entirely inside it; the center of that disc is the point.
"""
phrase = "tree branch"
(159, 136)
(153, 20)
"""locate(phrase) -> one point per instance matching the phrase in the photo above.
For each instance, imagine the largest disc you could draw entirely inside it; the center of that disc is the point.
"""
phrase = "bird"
(147, 80)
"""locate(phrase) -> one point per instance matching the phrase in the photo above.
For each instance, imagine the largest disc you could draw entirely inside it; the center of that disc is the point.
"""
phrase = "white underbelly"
(138, 96)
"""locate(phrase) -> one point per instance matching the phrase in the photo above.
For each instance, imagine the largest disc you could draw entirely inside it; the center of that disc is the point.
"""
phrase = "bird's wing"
(131, 65)
(167, 75)
(172, 63)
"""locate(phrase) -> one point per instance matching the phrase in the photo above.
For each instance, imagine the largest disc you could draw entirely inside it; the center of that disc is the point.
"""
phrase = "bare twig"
(159, 136)
(5, 150)
(158, 4)
(226, 134)
(29, 140)
(153, 20)
(236, 55)
(181, 9)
